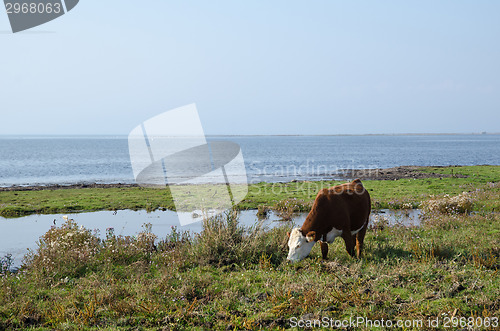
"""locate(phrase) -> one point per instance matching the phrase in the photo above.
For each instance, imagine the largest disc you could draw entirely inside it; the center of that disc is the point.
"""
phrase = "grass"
(384, 193)
(18, 203)
(234, 278)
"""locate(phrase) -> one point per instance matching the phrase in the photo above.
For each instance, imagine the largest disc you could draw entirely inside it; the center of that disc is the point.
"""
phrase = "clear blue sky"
(256, 67)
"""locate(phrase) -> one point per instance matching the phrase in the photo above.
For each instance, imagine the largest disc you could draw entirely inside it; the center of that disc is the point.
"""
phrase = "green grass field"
(384, 193)
(231, 278)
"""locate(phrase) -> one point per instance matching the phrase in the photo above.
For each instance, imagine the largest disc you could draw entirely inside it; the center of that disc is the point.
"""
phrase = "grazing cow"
(342, 210)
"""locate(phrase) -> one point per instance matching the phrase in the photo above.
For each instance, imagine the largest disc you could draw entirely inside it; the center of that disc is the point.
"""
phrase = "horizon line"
(268, 135)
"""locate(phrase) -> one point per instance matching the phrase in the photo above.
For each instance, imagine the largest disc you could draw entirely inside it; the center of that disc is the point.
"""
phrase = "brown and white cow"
(342, 210)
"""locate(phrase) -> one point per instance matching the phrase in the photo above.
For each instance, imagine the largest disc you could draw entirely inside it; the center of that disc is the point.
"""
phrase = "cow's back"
(344, 207)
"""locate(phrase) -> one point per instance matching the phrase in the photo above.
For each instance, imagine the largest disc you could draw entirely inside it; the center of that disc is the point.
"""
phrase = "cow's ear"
(288, 234)
(311, 236)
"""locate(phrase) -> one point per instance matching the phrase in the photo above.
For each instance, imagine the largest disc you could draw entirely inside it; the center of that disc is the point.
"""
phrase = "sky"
(256, 67)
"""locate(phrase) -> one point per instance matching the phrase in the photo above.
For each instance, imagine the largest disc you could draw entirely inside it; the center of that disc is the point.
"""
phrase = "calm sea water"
(97, 159)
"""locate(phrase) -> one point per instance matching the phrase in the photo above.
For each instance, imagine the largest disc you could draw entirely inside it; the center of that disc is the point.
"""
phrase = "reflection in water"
(406, 217)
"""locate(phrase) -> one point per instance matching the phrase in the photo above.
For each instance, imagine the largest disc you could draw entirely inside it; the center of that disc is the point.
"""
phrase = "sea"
(65, 160)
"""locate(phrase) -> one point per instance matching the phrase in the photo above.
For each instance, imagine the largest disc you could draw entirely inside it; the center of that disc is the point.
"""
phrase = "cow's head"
(300, 245)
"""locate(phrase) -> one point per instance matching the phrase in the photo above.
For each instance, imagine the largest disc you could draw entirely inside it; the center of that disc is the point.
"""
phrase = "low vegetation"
(231, 277)
(458, 204)
(234, 278)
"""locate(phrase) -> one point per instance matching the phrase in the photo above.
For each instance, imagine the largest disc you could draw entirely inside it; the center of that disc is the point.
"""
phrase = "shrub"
(262, 212)
(379, 222)
(62, 252)
(174, 239)
(224, 241)
(286, 208)
(460, 204)
(6, 264)
(71, 251)
(124, 250)
(260, 241)
(398, 204)
(219, 240)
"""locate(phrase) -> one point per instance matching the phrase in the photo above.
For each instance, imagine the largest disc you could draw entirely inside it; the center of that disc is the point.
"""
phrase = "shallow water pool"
(19, 234)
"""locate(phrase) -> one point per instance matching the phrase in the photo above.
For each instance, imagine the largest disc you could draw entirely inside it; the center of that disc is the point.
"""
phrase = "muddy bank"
(65, 187)
(395, 173)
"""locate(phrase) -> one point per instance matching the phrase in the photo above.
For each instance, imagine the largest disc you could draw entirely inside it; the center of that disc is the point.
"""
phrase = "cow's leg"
(350, 242)
(324, 249)
(360, 236)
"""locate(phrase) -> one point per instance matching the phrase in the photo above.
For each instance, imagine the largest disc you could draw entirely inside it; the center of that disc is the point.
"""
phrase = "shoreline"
(394, 173)
(401, 172)
(64, 186)
(389, 188)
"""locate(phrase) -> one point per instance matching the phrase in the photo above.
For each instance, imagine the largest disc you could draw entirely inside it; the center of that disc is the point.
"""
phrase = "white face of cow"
(299, 245)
